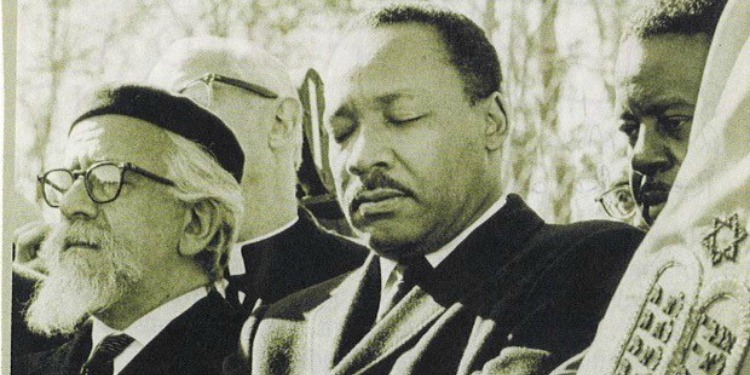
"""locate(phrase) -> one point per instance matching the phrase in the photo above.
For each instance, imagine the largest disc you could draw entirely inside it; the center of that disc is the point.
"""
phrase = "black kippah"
(175, 113)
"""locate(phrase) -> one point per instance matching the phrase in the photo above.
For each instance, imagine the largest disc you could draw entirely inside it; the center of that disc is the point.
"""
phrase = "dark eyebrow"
(388, 99)
(344, 111)
(628, 116)
(655, 106)
(348, 111)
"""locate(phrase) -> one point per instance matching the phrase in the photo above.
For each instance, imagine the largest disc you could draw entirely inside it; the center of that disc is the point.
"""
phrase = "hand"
(26, 244)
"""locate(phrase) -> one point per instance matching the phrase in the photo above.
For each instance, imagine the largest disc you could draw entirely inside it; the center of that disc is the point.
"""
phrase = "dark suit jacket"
(194, 343)
(514, 282)
(301, 256)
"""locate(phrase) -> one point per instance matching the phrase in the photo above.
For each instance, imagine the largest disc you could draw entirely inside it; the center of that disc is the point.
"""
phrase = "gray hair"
(198, 177)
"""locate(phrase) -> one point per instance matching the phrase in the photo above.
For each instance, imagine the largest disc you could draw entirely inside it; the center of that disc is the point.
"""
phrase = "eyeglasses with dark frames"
(103, 181)
(618, 202)
(201, 89)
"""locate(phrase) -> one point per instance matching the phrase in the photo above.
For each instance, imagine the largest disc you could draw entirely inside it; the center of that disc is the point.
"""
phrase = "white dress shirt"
(390, 275)
(146, 327)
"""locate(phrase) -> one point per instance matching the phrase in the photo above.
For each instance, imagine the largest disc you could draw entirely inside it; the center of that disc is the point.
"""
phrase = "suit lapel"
(347, 316)
(407, 320)
(507, 285)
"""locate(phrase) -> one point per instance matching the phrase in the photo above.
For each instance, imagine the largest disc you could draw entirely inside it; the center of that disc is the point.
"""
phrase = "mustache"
(379, 180)
(80, 233)
(375, 181)
(649, 186)
(642, 184)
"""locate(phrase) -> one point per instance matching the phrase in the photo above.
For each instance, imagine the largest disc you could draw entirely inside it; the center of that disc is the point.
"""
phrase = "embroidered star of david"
(724, 240)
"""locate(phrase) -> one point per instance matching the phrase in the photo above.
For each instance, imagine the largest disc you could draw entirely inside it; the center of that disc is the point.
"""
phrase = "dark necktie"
(101, 362)
(413, 271)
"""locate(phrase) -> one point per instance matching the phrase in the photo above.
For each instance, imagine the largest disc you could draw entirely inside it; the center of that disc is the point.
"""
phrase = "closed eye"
(399, 121)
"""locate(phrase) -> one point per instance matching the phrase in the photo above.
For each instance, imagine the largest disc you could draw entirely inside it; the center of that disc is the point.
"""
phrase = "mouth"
(73, 244)
(376, 201)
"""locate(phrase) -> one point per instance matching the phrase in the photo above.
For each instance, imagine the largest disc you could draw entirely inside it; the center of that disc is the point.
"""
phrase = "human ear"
(201, 225)
(496, 121)
(284, 128)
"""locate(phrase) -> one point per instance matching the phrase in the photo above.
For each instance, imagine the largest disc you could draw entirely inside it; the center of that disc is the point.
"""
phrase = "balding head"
(189, 58)
(268, 127)
(248, 114)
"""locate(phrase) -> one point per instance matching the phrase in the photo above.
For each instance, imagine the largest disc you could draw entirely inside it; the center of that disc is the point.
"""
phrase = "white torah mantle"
(683, 306)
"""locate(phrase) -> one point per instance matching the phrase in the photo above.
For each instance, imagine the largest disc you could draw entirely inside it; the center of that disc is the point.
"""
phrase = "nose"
(76, 203)
(372, 148)
(650, 152)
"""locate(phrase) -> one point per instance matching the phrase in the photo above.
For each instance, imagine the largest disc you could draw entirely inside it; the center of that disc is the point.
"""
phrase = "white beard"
(81, 282)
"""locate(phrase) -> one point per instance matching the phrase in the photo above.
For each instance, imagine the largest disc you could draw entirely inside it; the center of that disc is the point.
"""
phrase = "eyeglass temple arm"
(148, 174)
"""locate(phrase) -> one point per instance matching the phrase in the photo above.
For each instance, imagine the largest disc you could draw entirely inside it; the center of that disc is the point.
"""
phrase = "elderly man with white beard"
(149, 200)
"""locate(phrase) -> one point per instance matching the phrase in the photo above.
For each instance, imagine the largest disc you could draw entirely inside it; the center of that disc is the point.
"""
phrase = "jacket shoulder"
(52, 361)
(296, 304)
(589, 259)
(589, 240)
(570, 296)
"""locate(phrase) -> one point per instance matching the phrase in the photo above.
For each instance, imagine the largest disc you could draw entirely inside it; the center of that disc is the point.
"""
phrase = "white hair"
(80, 283)
(198, 177)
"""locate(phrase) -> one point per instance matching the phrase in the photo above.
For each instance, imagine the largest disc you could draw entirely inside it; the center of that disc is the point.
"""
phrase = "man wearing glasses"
(149, 204)
(280, 249)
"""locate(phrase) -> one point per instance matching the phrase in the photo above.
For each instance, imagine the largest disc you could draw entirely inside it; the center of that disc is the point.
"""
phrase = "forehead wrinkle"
(87, 146)
(639, 100)
(118, 138)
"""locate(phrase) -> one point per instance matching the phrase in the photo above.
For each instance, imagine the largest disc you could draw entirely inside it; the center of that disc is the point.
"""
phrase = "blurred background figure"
(25, 276)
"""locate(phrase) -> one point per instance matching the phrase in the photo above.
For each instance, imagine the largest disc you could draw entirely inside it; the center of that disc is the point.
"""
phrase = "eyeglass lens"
(103, 184)
(199, 91)
(619, 203)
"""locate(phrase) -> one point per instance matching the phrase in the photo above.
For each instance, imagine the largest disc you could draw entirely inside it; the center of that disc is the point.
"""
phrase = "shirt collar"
(148, 326)
(236, 264)
(436, 257)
